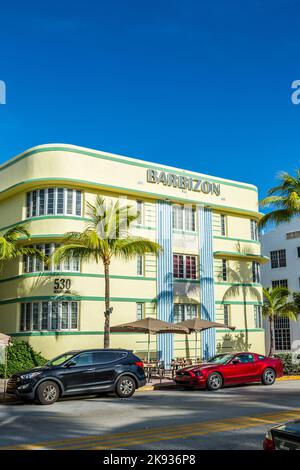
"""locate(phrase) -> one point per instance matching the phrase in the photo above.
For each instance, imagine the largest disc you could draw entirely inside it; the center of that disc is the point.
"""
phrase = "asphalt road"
(232, 418)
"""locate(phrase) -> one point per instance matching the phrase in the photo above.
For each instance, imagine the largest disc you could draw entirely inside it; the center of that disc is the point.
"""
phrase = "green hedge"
(21, 356)
(288, 367)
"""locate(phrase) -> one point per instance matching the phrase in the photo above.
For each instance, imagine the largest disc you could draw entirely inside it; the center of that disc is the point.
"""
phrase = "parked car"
(283, 437)
(80, 372)
(229, 369)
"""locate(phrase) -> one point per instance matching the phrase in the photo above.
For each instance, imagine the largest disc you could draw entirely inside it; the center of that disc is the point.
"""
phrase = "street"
(232, 418)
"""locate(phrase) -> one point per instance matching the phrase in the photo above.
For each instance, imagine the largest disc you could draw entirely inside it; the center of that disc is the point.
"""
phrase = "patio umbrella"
(150, 326)
(197, 324)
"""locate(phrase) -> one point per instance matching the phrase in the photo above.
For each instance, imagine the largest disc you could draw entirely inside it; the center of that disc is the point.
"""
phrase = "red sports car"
(229, 369)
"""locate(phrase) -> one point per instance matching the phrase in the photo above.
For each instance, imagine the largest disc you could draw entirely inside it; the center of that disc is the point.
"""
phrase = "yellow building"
(209, 266)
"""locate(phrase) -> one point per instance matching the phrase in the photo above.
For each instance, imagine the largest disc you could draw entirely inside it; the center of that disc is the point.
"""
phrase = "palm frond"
(278, 216)
(131, 246)
(14, 233)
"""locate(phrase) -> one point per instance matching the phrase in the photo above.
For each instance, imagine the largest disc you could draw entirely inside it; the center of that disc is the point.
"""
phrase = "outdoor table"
(149, 366)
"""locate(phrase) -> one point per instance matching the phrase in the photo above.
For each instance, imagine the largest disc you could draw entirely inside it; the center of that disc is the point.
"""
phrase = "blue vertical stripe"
(208, 337)
(165, 278)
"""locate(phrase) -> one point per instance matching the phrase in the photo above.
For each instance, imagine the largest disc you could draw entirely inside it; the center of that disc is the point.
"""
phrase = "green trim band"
(249, 330)
(238, 302)
(223, 283)
(117, 159)
(192, 233)
(244, 240)
(43, 217)
(83, 333)
(108, 187)
(192, 281)
(75, 274)
(72, 297)
(68, 333)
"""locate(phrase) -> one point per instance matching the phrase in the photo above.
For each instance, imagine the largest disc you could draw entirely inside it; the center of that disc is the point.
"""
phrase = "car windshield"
(221, 359)
(57, 361)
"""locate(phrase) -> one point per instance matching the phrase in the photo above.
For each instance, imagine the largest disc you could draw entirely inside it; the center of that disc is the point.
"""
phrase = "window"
(282, 333)
(226, 314)
(291, 235)
(104, 357)
(140, 265)
(254, 230)
(139, 208)
(38, 316)
(255, 272)
(244, 358)
(85, 359)
(298, 251)
(258, 316)
(140, 310)
(52, 201)
(184, 312)
(33, 264)
(189, 215)
(184, 267)
(183, 217)
(224, 270)
(278, 259)
(223, 225)
(280, 283)
(261, 358)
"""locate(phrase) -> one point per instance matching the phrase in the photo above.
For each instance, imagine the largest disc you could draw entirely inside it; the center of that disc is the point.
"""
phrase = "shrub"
(289, 367)
(21, 356)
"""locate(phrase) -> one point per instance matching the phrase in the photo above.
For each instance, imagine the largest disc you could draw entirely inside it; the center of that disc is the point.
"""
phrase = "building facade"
(282, 246)
(209, 266)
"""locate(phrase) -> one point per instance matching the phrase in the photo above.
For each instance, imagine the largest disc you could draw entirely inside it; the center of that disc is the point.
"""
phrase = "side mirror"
(236, 361)
(70, 364)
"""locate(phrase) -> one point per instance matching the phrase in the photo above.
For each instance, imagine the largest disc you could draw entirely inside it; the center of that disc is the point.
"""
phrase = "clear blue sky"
(203, 85)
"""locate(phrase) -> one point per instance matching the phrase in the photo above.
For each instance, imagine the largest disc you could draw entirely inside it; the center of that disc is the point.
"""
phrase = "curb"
(289, 377)
(172, 386)
(167, 386)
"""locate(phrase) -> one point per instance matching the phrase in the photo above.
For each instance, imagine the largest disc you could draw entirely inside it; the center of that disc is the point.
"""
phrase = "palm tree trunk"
(271, 337)
(107, 305)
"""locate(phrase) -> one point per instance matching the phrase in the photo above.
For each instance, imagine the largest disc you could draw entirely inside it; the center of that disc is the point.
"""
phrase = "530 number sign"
(62, 285)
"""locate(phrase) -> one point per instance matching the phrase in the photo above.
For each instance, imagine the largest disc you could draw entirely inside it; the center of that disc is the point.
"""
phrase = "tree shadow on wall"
(233, 343)
(239, 275)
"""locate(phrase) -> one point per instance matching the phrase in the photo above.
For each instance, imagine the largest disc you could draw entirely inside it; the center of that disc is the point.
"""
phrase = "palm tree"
(277, 305)
(105, 237)
(284, 198)
(11, 244)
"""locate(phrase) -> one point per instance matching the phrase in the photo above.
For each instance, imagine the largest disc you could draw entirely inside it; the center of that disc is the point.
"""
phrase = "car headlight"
(198, 373)
(30, 375)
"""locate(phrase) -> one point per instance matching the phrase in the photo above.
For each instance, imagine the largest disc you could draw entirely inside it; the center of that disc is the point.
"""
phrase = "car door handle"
(90, 370)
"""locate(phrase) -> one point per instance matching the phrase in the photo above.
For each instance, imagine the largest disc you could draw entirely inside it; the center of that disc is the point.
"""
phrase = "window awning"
(241, 256)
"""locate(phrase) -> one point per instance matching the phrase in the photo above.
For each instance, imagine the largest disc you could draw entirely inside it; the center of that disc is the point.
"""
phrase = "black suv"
(80, 372)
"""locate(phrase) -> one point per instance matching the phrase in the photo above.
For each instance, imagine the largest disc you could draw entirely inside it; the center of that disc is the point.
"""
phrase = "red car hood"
(203, 366)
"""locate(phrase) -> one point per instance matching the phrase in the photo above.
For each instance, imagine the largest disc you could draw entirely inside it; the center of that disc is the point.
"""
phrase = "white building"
(282, 246)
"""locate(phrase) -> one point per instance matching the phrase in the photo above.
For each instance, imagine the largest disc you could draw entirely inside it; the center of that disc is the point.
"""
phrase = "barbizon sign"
(183, 182)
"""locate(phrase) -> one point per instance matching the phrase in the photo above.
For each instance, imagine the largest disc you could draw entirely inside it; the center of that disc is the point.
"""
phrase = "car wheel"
(125, 387)
(47, 393)
(268, 377)
(214, 381)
